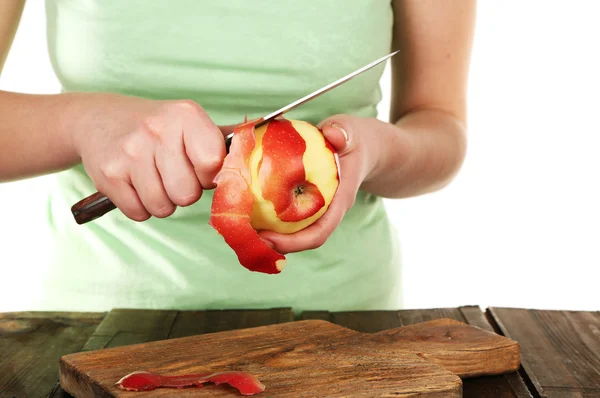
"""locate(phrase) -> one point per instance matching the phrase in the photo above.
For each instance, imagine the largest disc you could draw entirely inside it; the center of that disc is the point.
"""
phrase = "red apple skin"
(295, 174)
(281, 174)
(280, 177)
(232, 207)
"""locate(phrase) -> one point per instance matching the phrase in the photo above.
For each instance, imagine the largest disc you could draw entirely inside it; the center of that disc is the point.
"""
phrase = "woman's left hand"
(357, 159)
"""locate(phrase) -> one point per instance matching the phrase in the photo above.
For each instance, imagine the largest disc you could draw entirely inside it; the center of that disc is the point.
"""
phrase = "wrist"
(86, 113)
(387, 147)
(69, 121)
(81, 112)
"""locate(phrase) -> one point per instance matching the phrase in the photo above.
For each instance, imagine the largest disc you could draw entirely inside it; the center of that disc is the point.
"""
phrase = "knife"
(97, 205)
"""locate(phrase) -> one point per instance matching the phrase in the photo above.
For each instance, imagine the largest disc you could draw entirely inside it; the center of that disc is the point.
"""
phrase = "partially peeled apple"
(282, 177)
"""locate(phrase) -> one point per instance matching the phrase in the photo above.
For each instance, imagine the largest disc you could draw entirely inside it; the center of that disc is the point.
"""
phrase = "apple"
(294, 176)
(282, 177)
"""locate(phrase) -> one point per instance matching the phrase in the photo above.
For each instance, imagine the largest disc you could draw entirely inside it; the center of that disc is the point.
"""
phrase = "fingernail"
(341, 130)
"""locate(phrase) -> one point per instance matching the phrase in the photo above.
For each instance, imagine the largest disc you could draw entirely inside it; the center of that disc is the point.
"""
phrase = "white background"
(520, 224)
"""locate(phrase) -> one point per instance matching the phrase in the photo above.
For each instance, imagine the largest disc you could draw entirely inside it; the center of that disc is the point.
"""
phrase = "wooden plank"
(376, 321)
(368, 322)
(129, 326)
(31, 344)
(495, 386)
(504, 386)
(123, 327)
(188, 323)
(560, 350)
(313, 357)
(410, 317)
(476, 317)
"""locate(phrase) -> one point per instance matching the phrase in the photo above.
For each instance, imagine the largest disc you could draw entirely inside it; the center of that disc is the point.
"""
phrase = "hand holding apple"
(280, 190)
(357, 157)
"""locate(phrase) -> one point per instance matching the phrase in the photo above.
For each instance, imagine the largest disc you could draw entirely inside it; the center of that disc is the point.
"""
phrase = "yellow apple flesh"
(320, 173)
(280, 177)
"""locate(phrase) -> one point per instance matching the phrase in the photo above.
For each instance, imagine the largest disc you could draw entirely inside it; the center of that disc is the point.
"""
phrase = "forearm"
(420, 153)
(36, 134)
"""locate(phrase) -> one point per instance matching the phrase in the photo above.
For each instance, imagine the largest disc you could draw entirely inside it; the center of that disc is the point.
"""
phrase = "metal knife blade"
(314, 94)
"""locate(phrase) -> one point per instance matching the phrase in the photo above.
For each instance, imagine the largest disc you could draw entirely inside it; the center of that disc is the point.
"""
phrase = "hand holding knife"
(96, 205)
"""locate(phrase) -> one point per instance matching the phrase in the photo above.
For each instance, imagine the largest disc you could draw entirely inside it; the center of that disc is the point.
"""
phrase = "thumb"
(338, 135)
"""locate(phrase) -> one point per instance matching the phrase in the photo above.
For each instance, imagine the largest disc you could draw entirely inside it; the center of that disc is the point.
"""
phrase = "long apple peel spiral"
(232, 207)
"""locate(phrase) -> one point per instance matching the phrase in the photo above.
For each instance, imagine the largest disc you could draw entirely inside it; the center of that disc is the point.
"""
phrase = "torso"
(235, 58)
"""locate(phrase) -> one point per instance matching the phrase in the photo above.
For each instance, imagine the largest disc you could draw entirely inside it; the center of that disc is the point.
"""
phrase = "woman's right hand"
(148, 156)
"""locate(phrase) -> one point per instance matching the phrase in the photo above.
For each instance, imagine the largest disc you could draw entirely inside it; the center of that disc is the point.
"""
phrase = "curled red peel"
(245, 383)
(232, 206)
(282, 174)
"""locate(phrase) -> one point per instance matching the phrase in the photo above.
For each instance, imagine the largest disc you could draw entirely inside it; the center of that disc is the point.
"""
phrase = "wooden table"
(560, 350)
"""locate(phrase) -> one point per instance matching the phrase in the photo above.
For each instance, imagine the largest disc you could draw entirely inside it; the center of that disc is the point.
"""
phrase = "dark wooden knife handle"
(228, 144)
(92, 207)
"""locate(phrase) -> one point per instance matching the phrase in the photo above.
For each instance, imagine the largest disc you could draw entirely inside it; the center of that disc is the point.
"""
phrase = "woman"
(149, 89)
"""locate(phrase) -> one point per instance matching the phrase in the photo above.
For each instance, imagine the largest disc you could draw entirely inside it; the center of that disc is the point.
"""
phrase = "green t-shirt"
(235, 58)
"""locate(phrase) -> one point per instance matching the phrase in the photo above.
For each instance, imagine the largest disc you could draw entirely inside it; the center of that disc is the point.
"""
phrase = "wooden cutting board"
(306, 359)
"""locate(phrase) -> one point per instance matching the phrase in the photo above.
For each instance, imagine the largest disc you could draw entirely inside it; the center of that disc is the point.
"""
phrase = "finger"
(338, 136)
(312, 237)
(146, 180)
(204, 146)
(316, 235)
(342, 132)
(176, 171)
(126, 199)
